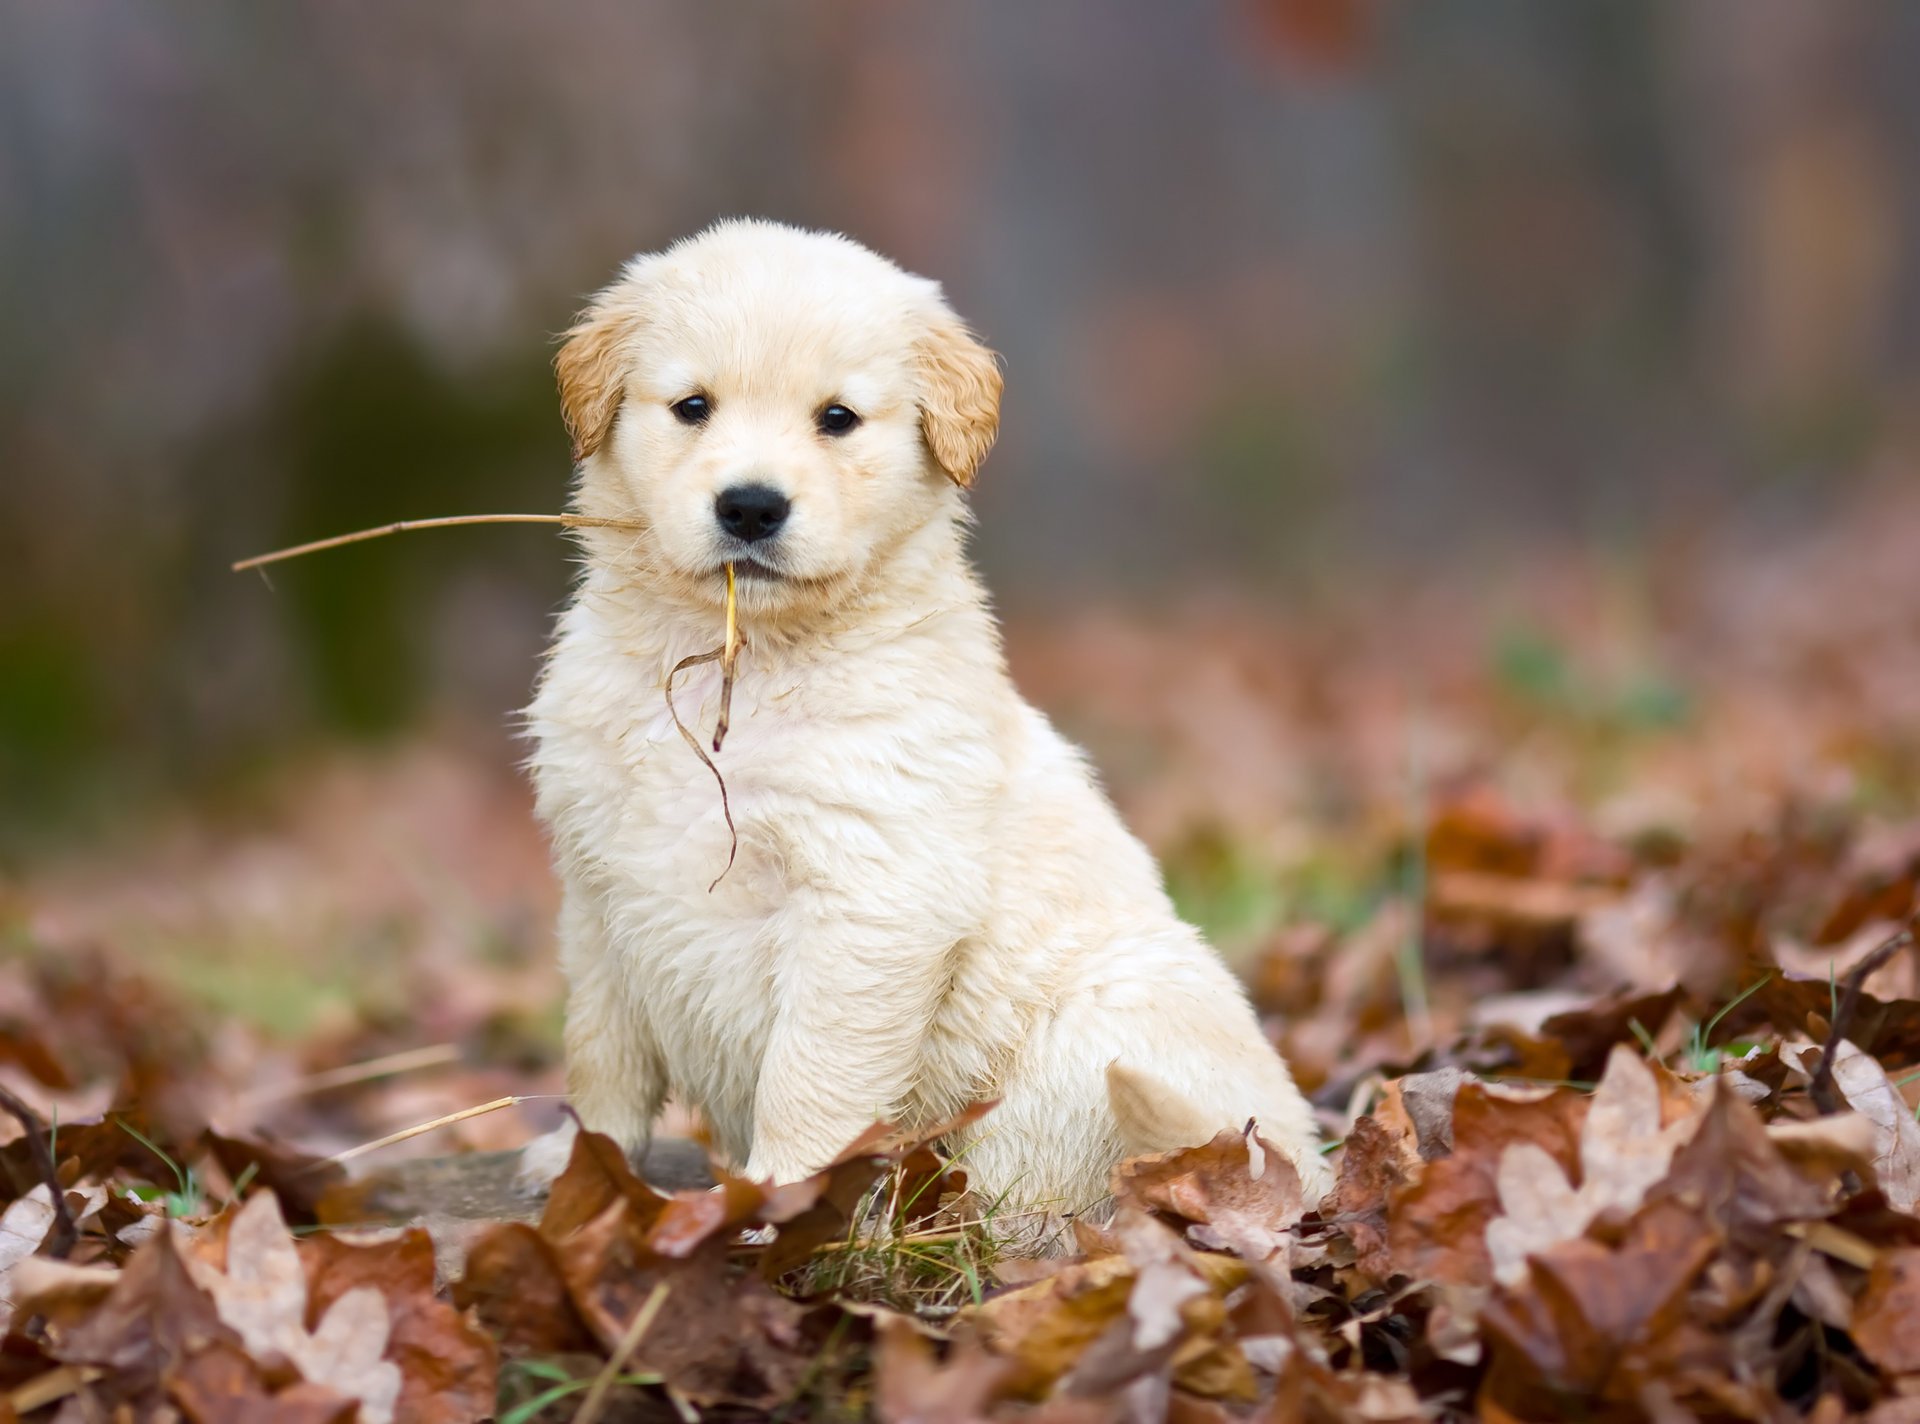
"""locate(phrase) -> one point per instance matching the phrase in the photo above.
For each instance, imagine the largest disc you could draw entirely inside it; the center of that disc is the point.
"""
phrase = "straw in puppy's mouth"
(754, 570)
(728, 656)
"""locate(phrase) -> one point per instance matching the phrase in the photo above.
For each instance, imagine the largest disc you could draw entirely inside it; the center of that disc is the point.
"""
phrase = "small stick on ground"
(406, 1132)
(54, 1385)
(408, 1061)
(643, 1319)
(1821, 1090)
(60, 1240)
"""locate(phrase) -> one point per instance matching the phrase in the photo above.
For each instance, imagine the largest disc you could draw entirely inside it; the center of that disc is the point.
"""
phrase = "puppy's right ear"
(592, 367)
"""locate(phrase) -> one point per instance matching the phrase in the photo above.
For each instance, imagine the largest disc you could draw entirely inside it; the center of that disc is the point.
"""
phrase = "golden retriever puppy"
(933, 903)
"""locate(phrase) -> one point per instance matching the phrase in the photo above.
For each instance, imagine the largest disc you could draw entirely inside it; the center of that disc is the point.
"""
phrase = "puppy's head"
(783, 400)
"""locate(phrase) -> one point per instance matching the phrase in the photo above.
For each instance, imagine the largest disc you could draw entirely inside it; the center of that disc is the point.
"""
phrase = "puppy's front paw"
(545, 1158)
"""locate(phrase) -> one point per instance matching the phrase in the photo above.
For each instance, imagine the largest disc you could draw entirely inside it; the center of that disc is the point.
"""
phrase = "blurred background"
(1402, 397)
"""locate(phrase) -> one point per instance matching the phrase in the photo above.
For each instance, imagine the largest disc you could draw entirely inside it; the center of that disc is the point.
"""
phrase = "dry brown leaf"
(1163, 1283)
(1896, 1155)
(1624, 1151)
(722, 1339)
(1374, 1165)
(23, 1230)
(1437, 1226)
(1885, 1316)
(23, 1226)
(154, 1317)
(448, 1366)
(1427, 1100)
(597, 1173)
(300, 1180)
(1216, 1187)
(1094, 1326)
(1045, 1328)
(1735, 1174)
(221, 1385)
(1591, 1321)
(262, 1294)
(41, 1285)
(513, 1284)
(913, 1386)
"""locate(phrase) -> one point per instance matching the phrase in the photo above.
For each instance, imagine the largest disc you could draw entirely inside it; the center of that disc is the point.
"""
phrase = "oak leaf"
(1624, 1152)
(261, 1294)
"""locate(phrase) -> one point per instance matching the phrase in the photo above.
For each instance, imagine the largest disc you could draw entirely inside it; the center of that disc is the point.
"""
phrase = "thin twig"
(726, 808)
(405, 1062)
(60, 1241)
(416, 1131)
(728, 653)
(596, 1399)
(55, 1384)
(883, 1243)
(402, 526)
(1833, 1241)
(1821, 1089)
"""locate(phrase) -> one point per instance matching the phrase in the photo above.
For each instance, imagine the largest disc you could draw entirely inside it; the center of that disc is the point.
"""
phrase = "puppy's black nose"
(750, 512)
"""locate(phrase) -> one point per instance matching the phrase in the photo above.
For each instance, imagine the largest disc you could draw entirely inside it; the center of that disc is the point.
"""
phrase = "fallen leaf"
(1428, 1099)
(1438, 1225)
(41, 1285)
(1215, 1187)
(1624, 1151)
(1583, 1321)
(24, 1228)
(1045, 1328)
(298, 1179)
(597, 1173)
(912, 1385)
(1732, 1172)
(1375, 1164)
(154, 1317)
(1589, 1034)
(448, 1366)
(1870, 1092)
(1884, 1317)
(514, 1286)
(221, 1385)
(262, 1294)
(1890, 1031)
(720, 1338)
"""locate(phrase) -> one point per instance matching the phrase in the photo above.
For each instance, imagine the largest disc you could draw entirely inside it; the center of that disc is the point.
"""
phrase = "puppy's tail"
(1154, 1117)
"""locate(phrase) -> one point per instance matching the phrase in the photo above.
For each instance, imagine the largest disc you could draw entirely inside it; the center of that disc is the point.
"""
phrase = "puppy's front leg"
(845, 1051)
(616, 1080)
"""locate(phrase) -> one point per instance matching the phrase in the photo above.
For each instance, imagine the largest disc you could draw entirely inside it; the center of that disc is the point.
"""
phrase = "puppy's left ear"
(959, 396)
(592, 368)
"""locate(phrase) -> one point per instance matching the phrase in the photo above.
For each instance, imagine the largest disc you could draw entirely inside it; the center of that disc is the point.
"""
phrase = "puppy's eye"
(694, 410)
(836, 419)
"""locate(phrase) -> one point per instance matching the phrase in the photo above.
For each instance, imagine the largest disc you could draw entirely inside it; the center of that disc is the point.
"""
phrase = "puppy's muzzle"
(750, 513)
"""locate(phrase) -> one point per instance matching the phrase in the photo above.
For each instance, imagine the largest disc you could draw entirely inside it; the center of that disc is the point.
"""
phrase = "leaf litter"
(1647, 1151)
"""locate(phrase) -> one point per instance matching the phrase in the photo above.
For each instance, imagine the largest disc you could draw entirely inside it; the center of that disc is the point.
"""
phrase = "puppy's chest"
(633, 797)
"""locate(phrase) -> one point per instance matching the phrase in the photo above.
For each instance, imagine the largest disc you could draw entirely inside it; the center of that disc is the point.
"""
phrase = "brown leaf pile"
(1612, 1018)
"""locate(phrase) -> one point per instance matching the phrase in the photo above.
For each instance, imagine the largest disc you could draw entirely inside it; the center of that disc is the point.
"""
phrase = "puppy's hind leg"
(616, 1080)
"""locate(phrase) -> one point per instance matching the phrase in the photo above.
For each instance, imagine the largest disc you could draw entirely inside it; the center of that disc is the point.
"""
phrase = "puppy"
(933, 904)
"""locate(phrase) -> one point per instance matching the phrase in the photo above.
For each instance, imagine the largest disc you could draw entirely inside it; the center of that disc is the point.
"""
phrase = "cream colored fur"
(933, 902)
